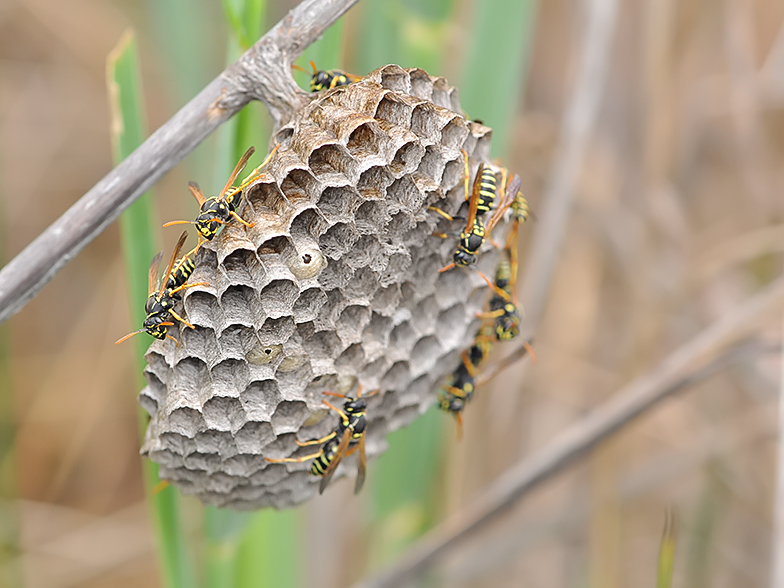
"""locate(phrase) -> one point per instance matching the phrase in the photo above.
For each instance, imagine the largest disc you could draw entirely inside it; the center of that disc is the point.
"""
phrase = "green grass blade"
(223, 530)
(409, 33)
(11, 573)
(270, 552)
(138, 241)
(252, 123)
(405, 486)
(496, 65)
(667, 551)
(379, 35)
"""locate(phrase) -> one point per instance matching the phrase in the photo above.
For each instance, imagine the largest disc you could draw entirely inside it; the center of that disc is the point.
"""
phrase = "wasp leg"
(256, 173)
(239, 218)
(502, 293)
(293, 459)
(342, 414)
(442, 213)
(490, 315)
(470, 367)
(455, 391)
(180, 288)
(315, 441)
(182, 320)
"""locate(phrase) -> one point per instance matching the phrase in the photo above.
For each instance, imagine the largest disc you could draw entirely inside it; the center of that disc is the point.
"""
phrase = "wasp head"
(153, 324)
(320, 81)
(462, 257)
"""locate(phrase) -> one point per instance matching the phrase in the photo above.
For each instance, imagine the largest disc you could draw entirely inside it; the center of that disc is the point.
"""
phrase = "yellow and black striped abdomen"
(487, 191)
(520, 208)
(181, 272)
(322, 461)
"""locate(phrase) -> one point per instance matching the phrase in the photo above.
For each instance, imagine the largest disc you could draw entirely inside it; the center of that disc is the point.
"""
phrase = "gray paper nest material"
(337, 282)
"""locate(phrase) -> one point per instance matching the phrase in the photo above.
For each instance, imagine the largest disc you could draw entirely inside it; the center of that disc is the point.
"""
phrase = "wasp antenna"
(313, 65)
(336, 409)
(335, 394)
(299, 68)
(446, 268)
(178, 222)
(128, 336)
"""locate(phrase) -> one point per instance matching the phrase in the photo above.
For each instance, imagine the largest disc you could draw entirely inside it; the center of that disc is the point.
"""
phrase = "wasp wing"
(197, 193)
(512, 247)
(175, 253)
(152, 277)
(511, 192)
(237, 169)
(341, 451)
(473, 203)
(361, 466)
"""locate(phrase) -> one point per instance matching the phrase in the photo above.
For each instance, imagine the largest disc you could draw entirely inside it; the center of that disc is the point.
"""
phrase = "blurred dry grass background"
(678, 217)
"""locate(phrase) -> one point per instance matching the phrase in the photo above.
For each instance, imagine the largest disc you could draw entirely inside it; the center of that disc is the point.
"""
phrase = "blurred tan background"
(677, 219)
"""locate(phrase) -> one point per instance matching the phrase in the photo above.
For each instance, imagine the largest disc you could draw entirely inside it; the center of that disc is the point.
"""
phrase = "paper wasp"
(327, 79)
(460, 386)
(466, 378)
(160, 304)
(503, 306)
(347, 437)
(483, 194)
(216, 211)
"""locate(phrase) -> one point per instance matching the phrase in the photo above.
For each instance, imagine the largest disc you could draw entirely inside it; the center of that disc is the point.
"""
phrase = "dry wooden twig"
(709, 351)
(262, 73)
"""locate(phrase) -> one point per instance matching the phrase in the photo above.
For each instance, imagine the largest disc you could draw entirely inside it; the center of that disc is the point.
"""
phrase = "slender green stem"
(496, 66)
(138, 239)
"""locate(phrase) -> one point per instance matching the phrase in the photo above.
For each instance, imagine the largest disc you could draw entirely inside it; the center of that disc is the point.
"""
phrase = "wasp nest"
(336, 283)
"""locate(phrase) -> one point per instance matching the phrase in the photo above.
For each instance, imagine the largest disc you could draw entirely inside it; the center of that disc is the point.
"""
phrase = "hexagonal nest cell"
(336, 284)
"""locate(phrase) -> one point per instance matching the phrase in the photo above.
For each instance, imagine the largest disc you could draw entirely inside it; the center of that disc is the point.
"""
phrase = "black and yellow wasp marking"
(217, 211)
(503, 306)
(473, 236)
(322, 79)
(460, 386)
(487, 191)
(347, 437)
(182, 270)
(476, 232)
(160, 303)
(521, 211)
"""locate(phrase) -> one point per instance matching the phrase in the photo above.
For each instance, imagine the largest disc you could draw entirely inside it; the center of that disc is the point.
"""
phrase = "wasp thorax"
(337, 271)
